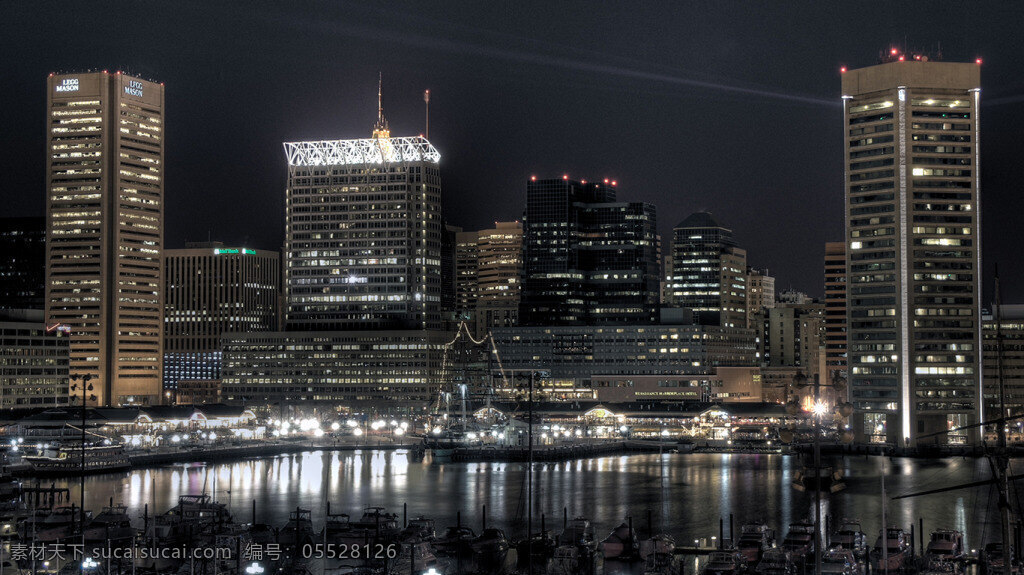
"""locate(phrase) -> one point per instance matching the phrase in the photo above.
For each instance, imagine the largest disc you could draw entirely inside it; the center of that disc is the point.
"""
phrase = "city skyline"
(795, 96)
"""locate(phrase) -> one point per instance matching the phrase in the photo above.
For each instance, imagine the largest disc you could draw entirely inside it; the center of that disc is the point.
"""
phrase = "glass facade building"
(709, 273)
(22, 263)
(588, 259)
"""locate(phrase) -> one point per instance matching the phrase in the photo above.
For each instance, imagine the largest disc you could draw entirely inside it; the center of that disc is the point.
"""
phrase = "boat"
(850, 536)
(374, 527)
(755, 539)
(541, 547)
(822, 477)
(578, 532)
(775, 561)
(839, 561)
(112, 524)
(620, 544)
(418, 529)
(799, 542)
(945, 545)
(490, 550)
(993, 561)
(298, 532)
(940, 567)
(454, 541)
(565, 562)
(659, 556)
(897, 549)
(190, 516)
(725, 563)
(335, 525)
(66, 459)
(53, 526)
(416, 558)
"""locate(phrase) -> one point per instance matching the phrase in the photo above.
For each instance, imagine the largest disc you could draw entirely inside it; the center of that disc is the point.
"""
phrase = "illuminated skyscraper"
(914, 257)
(363, 234)
(105, 212)
(709, 273)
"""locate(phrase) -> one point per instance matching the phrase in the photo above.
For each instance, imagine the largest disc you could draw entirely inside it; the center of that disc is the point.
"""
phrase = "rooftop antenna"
(426, 100)
(380, 130)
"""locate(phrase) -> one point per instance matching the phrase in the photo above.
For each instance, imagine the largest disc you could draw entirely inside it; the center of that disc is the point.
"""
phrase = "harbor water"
(684, 495)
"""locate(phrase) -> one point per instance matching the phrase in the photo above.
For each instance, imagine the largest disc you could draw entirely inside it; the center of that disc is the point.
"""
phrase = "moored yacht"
(891, 551)
(67, 458)
(850, 536)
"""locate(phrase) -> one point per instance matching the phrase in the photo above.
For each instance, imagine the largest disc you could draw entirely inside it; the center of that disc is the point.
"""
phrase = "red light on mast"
(978, 61)
(565, 176)
(842, 70)
(615, 183)
(894, 51)
(533, 178)
(901, 58)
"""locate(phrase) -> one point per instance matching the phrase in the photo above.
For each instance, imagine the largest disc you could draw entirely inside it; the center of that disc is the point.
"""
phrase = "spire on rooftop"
(380, 129)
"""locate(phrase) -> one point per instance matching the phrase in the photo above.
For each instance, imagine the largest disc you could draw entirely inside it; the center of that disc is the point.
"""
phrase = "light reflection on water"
(685, 494)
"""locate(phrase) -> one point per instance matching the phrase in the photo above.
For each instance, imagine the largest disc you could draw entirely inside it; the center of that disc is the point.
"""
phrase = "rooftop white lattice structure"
(362, 151)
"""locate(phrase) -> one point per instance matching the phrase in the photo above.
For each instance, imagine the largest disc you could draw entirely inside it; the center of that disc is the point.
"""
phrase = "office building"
(104, 242)
(793, 336)
(588, 259)
(708, 273)
(387, 370)
(835, 309)
(363, 239)
(22, 263)
(466, 255)
(211, 289)
(499, 269)
(760, 294)
(573, 355)
(448, 273)
(913, 260)
(33, 361)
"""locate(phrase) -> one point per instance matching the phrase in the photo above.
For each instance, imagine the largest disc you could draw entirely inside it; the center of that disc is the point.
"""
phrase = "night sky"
(731, 107)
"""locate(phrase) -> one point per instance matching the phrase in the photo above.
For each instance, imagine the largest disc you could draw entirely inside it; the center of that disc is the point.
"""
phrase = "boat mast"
(885, 528)
(1001, 456)
(817, 476)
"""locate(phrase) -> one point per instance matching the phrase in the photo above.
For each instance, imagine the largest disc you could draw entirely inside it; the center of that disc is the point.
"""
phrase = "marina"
(693, 500)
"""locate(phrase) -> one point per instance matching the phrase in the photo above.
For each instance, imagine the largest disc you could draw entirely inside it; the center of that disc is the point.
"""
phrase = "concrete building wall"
(911, 131)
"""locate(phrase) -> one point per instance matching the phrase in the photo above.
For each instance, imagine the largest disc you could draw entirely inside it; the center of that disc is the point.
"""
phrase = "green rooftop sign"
(244, 251)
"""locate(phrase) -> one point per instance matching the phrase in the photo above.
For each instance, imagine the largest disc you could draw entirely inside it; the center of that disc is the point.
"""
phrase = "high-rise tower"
(913, 247)
(709, 272)
(363, 233)
(105, 214)
(587, 259)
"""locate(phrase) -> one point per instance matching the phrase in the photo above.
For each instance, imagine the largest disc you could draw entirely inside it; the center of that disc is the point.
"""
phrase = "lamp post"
(86, 387)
